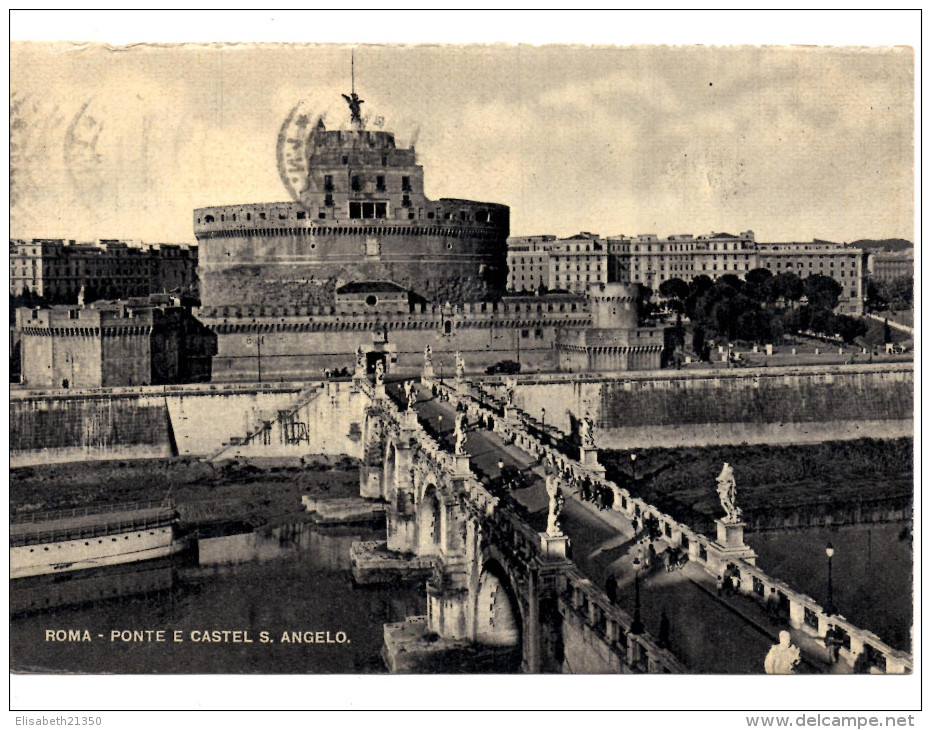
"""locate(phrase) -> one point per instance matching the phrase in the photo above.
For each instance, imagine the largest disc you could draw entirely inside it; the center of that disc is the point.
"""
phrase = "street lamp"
(543, 418)
(829, 604)
(633, 466)
(636, 626)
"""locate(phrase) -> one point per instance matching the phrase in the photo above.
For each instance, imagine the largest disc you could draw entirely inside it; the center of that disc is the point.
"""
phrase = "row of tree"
(760, 308)
(898, 294)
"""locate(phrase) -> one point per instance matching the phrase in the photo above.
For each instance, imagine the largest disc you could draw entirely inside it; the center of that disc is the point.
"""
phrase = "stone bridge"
(464, 477)
(501, 594)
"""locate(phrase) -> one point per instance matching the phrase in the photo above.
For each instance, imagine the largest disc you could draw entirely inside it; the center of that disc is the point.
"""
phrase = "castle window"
(356, 184)
(482, 216)
(380, 183)
(301, 215)
(447, 327)
(262, 216)
(405, 183)
(384, 160)
(328, 200)
(234, 216)
(208, 219)
(431, 214)
(345, 160)
(328, 183)
(222, 217)
(406, 201)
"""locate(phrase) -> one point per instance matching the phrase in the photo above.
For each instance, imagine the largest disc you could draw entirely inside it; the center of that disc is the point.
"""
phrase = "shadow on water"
(284, 596)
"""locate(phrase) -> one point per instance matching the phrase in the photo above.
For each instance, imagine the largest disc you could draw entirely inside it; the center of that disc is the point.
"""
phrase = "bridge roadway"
(709, 633)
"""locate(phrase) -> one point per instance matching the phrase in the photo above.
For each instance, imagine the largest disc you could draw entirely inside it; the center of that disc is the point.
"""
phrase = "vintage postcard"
(367, 359)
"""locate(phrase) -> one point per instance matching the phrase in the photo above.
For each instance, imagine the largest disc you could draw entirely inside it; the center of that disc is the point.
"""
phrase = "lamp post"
(633, 466)
(543, 418)
(636, 626)
(501, 472)
(829, 604)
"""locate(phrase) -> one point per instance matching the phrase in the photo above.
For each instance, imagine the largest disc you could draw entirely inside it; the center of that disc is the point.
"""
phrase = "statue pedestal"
(428, 373)
(510, 413)
(730, 541)
(588, 456)
(461, 465)
(730, 534)
(379, 389)
(554, 548)
(410, 419)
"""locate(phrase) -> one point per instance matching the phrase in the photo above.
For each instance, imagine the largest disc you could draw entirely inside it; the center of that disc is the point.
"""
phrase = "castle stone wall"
(772, 405)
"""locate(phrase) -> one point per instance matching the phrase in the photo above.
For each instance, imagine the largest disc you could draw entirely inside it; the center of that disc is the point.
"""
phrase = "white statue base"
(588, 456)
(428, 373)
(510, 413)
(462, 465)
(379, 390)
(554, 548)
(730, 541)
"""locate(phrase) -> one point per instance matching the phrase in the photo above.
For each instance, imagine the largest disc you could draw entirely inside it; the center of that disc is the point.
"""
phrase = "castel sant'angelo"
(360, 257)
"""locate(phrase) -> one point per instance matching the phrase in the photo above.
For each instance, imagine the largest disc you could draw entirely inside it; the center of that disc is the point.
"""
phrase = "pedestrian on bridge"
(611, 588)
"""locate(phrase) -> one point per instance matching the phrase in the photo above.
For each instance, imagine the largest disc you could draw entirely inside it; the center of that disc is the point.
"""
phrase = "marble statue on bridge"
(410, 393)
(460, 434)
(727, 492)
(586, 429)
(428, 357)
(510, 385)
(360, 362)
(460, 366)
(380, 373)
(783, 657)
(553, 528)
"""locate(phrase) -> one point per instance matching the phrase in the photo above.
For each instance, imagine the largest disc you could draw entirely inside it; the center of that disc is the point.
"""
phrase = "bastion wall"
(762, 405)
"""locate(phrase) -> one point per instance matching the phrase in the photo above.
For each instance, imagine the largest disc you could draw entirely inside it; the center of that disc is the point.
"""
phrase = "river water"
(213, 605)
(872, 568)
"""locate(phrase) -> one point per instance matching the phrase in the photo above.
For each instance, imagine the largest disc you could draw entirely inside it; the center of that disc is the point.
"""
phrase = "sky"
(793, 143)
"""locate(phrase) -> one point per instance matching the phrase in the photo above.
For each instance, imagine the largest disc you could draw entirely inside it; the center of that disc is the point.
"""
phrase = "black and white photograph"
(367, 358)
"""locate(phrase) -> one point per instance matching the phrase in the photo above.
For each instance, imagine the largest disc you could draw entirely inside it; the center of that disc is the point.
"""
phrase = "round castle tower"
(613, 306)
(359, 214)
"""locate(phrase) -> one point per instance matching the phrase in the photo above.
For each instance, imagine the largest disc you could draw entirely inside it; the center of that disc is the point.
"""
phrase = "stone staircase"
(265, 420)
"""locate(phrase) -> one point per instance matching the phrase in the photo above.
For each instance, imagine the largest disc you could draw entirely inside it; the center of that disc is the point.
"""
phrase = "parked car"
(506, 367)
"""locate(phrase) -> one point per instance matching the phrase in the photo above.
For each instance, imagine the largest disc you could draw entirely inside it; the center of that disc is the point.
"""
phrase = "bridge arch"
(390, 478)
(429, 522)
(498, 613)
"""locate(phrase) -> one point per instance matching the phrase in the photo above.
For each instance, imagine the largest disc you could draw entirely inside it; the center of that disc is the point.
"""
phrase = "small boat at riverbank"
(59, 542)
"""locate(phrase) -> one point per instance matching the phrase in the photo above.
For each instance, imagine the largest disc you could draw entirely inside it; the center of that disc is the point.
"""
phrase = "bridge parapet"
(608, 645)
(803, 612)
